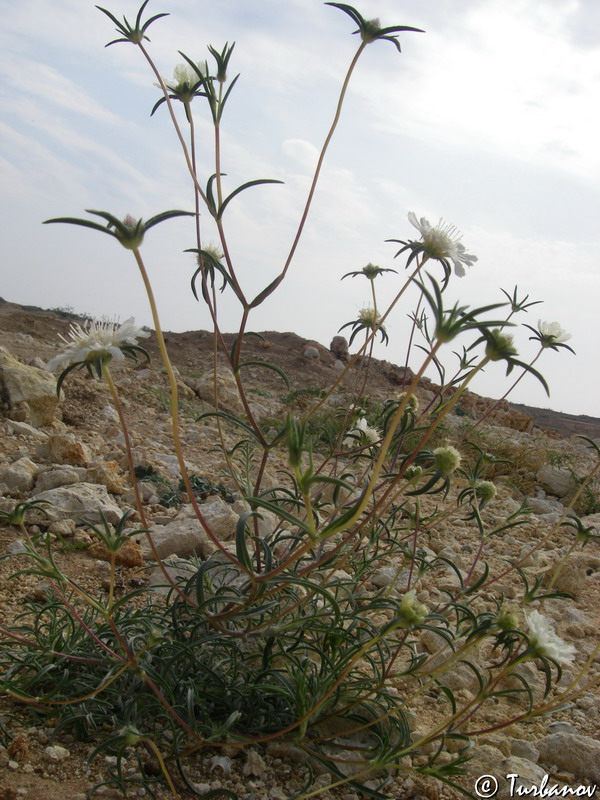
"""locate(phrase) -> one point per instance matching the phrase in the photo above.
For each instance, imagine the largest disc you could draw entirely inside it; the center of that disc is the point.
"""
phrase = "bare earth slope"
(84, 445)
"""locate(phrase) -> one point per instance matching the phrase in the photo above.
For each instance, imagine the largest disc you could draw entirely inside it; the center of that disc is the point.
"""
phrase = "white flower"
(443, 242)
(362, 434)
(543, 641)
(184, 77)
(184, 73)
(369, 317)
(553, 331)
(96, 339)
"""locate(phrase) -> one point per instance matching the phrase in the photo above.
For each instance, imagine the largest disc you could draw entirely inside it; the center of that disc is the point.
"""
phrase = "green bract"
(370, 29)
(129, 232)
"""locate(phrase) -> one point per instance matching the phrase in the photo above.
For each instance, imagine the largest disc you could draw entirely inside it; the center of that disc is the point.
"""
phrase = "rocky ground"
(72, 455)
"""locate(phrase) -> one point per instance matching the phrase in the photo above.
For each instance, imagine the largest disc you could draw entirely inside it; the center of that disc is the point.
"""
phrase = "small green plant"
(16, 515)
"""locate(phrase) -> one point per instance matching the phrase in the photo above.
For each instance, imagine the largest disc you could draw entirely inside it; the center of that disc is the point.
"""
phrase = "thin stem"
(411, 337)
(175, 409)
(178, 131)
(126, 435)
(317, 172)
(370, 338)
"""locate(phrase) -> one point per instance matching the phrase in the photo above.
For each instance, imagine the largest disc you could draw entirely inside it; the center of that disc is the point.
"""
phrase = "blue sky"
(489, 119)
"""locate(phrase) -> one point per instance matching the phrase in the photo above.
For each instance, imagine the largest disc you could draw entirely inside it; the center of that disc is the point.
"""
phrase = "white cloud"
(505, 81)
(45, 83)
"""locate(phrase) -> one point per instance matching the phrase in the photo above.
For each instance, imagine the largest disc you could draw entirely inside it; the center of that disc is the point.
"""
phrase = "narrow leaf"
(241, 189)
(266, 365)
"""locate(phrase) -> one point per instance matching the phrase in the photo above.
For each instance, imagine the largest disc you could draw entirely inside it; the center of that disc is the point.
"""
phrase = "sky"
(490, 120)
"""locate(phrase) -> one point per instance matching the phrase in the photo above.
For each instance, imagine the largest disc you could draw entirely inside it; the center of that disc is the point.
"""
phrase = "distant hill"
(565, 424)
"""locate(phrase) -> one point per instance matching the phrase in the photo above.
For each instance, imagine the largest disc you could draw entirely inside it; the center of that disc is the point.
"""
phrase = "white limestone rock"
(80, 501)
(35, 387)
(572, 752)
(20, 475)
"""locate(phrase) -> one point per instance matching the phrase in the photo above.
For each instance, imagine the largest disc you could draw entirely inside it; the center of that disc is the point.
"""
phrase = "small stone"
(20, 475)
(17, 546)
(53, 478)
(81, 500)
(573, 753)
(524, 749)
(557, 481)
(221, 762)
(339, 348)
(63, 527)
(129, 555)
(254, 765)
(56, 753)
(311, 353)
(64, 448)
(108, 474)
(20, 383)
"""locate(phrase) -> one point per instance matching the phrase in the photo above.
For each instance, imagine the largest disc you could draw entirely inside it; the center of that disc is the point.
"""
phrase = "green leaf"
(280, 512)
(266, 365)
(225, 98)
(241, 189)
(229, 418)
(241, 550)
(246, 333)
(85, 223)
(167, 215)
(265, 292)
(210, 198)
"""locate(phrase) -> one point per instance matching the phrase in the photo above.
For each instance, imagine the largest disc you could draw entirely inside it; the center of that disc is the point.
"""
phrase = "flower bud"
(411, 611)
(507, 619)
(369, 317)
(413, 472)
(412, 403)
(500, 347)
(447, 459)
(485, 491)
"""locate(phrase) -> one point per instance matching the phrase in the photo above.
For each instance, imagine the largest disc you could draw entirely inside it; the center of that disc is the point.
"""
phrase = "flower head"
(411, 610)
(371, 271)
(507, 619)
(500, 346)
(186, 75)
(362, 435)
(186, 80)
(485, 491)
(369, 317)
(553, 331)
(189, 81)
(95, 343)
(412, 403)
(551, 335)
(447, 459)
(544, 642)
(370, 29)
(442, 242)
